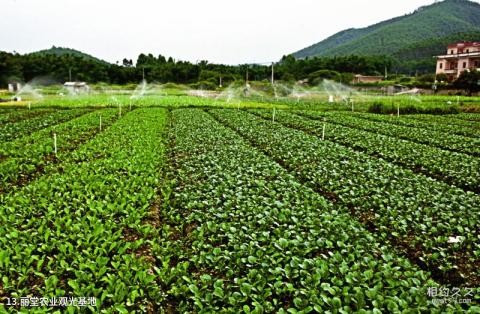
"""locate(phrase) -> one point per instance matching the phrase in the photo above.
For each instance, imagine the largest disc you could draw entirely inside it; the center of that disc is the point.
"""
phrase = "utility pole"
(69, 74)
(143, 73)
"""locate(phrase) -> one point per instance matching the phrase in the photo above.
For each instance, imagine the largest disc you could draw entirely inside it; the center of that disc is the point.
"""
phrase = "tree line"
(61, 68)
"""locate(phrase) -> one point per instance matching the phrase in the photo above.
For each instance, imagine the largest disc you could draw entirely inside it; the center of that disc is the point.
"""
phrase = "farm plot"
(27, 157)
(78, 233)
(15, 115)
(447, 120)
(466, 117)
(248, 237)
(428, 122)
(414, 212)
(452, 142)
(14, 130)
(454, 168)
(224, 211)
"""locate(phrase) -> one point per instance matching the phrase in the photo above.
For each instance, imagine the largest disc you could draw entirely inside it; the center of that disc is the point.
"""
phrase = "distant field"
(175, 97)
(190, 204)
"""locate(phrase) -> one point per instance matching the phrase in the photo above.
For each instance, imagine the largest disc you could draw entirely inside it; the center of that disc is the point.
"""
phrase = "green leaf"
(298, 303)
(336, 302)
(218, 292)
(368, 274)
(246, 289)
(73, 283)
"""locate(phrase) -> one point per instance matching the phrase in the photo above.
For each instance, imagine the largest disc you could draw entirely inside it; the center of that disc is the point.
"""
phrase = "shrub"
(208, 85)
(381, 108)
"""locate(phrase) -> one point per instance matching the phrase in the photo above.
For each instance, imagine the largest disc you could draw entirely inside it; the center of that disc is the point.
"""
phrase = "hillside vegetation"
(60, 51)
(413, 37)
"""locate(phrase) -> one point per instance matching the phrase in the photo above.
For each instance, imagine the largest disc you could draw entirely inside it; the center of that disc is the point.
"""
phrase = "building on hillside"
(366, 79)
(77, 87)
(461, 56)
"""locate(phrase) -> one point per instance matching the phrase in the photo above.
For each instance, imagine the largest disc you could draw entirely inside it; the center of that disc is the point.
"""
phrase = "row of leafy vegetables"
(33, 154)
(244, 234)
(457, 169)
(225, 211)
(438, 123)
(401, 128)
(81, 231)
(419, 215)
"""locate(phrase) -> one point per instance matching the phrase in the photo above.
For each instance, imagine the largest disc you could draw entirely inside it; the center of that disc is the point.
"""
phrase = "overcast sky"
(226, 31)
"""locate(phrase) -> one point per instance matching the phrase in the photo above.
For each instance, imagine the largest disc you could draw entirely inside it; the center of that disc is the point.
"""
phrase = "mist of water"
(230, 93)
(140, 90)
(29, 90)
(339, 91)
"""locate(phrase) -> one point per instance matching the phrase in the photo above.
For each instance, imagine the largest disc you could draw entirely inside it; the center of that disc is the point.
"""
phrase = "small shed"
(77, 87)
(366, 79)
(14, 87)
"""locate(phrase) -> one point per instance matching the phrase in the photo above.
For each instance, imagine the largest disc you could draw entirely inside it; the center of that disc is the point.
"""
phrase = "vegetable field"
(197, 208)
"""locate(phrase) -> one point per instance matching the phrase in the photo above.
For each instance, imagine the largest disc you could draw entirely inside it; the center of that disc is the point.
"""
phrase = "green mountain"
(418, 35)
(59, 51)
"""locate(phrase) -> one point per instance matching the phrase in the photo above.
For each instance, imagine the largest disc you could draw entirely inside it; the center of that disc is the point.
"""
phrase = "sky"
(219, 31)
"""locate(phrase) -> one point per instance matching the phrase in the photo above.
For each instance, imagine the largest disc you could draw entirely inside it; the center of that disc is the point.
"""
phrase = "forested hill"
(429, 28)
(59, 51)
